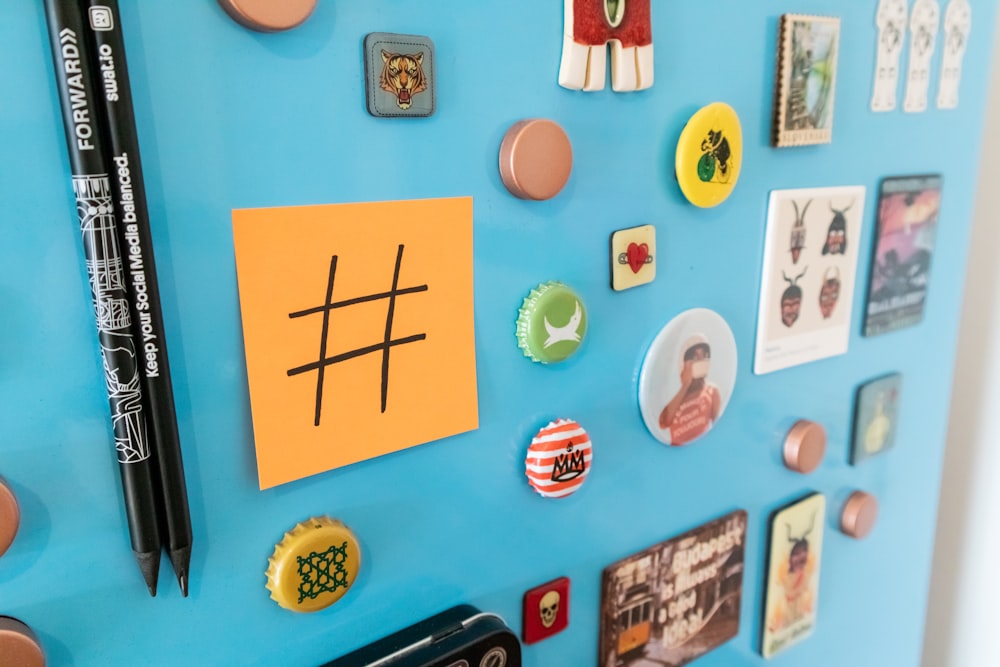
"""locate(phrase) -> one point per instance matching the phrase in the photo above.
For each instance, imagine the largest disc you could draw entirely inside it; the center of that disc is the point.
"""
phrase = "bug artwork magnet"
(359, 339)
(710, 155)
(810, 262)
(399, 75)
(792, 587)
(806, 80)
(687, 377)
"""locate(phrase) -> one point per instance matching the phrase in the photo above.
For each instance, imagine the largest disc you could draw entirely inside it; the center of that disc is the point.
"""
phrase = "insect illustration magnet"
(687, 377)
(792, 586)
(710, 155)
(399, 75)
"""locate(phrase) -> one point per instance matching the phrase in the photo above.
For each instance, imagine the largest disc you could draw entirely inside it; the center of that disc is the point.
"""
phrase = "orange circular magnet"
(314, 565)
(536, 159)
(10, 517)
(710, 155)
(805, 446)
(19, 647)
(859, 515)
(269, 15)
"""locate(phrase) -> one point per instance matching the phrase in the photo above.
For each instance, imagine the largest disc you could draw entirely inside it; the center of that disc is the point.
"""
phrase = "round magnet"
(19, 647)
(269, 15)
(710, 155)
(314, 565)
(559, 459)
(551, 324)
(687, 377)
(10, 517)
(536, 159)
(805, 446)
(859, 515)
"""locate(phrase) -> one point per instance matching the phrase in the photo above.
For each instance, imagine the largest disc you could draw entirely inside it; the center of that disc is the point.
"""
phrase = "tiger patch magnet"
(399, 75)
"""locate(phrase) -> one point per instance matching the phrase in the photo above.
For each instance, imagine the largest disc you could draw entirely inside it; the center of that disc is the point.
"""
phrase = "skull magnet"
(546, 611)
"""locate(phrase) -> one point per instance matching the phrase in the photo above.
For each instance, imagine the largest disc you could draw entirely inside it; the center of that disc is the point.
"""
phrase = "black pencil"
(102, 251)
(115, 95)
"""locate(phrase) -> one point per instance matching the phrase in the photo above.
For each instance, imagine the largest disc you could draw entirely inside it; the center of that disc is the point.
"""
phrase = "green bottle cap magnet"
(552, 323)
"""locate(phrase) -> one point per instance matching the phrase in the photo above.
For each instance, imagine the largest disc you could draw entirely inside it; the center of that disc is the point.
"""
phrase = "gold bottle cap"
(805, 446)
(10, 517)
(314, 565)
(859, 515)
(19, 646)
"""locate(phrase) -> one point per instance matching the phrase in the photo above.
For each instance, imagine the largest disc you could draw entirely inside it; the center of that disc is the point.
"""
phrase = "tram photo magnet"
(792, 587)
(675, 601)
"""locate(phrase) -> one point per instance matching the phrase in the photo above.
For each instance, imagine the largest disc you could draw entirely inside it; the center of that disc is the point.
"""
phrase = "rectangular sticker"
(810, 263)
(907, 226)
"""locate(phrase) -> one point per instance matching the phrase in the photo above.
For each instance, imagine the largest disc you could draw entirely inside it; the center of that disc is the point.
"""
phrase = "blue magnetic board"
(230, 118)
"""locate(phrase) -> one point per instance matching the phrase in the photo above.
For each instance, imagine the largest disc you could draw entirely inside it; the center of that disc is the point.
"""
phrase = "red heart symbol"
(637, 255)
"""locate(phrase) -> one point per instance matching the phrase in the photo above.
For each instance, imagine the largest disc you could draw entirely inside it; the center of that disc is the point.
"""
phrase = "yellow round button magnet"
(710, 155)
(314, 565)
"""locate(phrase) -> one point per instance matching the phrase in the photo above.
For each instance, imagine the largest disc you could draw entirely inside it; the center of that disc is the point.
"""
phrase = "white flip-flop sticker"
(891, 22)
(924, 23)
(957, 25)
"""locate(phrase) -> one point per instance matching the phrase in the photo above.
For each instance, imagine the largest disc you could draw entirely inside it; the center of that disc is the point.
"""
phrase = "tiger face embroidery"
(403, 76)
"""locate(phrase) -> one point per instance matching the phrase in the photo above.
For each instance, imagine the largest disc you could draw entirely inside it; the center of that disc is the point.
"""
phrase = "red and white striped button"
(559, 459)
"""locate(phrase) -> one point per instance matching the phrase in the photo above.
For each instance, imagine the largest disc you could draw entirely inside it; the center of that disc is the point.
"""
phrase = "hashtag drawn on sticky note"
(359, 338)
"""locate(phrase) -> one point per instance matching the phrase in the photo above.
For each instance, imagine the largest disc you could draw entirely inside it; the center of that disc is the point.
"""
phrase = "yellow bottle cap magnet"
(269, 15)
(536, 159)
(19, 646)
(314, 565)
(710, 155)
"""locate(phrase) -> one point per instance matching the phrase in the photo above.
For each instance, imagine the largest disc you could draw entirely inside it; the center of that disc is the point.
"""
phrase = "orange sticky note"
(358, 328)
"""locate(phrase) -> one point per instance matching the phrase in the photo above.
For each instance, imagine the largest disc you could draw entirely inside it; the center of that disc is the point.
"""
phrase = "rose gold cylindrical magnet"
(859, 515)
(536, 159)
(805, 446)
(10, 517)
(19, 646)
(269, 15)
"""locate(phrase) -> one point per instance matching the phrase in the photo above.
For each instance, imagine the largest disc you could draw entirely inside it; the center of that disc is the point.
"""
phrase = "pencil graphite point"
(180, 559)
(149, 565)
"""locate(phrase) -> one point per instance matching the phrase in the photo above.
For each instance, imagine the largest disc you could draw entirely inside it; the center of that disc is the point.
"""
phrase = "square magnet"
(875, 415)
(633, 257)
(399, 75)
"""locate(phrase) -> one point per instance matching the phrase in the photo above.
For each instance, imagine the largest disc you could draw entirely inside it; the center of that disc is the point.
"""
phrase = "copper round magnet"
(859, 515)
(536, 159)
(10, 517)
(805, 446)
(269, 15)
(19, 646)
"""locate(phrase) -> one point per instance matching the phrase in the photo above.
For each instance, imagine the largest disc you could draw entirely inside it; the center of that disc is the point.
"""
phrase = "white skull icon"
(548, 607)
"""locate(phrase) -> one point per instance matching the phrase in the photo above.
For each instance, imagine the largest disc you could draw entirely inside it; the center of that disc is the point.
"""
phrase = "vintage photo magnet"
(810, 262)
(906, 227)
(792, 587)
(675, 601)
(806, 80)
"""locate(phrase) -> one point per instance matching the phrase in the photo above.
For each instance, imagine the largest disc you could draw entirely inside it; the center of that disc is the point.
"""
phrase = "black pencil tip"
(149, 565)
(180, 559)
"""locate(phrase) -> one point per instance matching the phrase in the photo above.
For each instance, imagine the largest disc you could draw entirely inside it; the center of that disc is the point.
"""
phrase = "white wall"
(963, 618)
